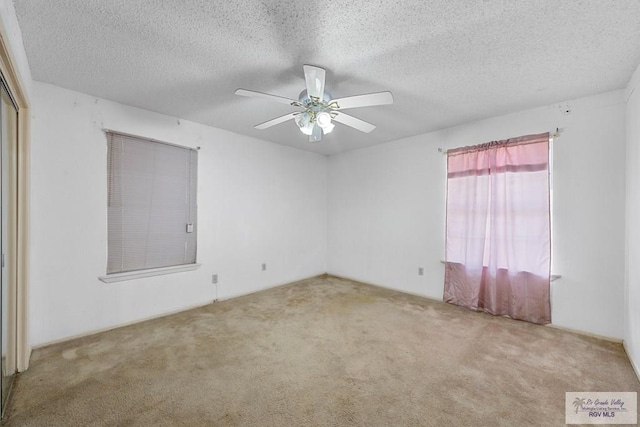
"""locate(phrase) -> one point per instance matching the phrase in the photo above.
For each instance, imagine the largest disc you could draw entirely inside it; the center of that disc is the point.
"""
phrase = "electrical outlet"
(264, 266)
(214, 279)
(420, 271)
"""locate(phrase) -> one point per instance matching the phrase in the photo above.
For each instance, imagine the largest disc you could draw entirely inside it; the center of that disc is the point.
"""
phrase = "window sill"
(552, 278)
(141, 274)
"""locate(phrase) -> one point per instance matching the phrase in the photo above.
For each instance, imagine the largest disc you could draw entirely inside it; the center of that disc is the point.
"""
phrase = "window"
(498, 228)
(152, 204)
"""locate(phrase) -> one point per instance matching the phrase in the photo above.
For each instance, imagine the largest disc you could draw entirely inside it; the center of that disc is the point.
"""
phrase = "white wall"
(387, 209)
(258, 202)
(632, 282)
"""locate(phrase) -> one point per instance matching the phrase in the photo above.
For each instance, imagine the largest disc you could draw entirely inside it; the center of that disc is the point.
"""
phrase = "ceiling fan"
(319, 110)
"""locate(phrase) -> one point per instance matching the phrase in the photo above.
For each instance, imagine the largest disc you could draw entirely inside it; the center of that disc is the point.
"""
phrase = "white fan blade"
(354, 122)
(367, 100)
(276, 121)
(314, 77)
(316, 135)
(254, 94)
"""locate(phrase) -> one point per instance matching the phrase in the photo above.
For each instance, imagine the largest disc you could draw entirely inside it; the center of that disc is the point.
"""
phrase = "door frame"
(14, 84)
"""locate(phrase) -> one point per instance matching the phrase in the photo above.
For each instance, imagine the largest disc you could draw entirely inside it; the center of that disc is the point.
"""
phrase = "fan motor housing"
(306, 100)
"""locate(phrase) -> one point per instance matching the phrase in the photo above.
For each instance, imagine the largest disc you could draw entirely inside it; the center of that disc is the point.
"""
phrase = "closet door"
(8, 190)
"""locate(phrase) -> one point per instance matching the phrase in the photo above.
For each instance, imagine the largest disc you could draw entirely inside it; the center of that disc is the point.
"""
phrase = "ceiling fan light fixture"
(320, 109)
(303, 121)
(328, 128)
(307, 130)
(324, 121)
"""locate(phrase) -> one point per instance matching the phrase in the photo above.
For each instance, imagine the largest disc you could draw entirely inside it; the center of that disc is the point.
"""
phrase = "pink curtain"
(498, 245)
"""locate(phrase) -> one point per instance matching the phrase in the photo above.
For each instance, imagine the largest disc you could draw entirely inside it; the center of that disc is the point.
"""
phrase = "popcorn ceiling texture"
(447, 62)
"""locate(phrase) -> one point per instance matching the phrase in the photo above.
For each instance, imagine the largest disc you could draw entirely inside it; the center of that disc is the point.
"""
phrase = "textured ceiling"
(447, 62)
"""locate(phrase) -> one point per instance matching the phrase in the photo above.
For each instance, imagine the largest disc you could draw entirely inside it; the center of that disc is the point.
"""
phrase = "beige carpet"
(321, 352)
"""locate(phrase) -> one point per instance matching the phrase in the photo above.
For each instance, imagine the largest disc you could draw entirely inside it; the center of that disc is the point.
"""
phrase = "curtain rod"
(553, 135)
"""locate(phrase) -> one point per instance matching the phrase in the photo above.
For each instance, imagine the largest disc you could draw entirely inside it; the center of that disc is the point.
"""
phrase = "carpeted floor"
(320, 352)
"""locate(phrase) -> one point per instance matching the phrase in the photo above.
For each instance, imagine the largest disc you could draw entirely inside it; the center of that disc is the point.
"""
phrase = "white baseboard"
(264, 288)
(635, 367)
(118, 326)
(551, 325)
(169, 313)
(377, 285)
(586, 334)
(156, 316)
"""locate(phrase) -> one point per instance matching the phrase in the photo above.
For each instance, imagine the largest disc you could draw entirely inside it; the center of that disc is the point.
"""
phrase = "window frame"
(117, 276)
(552, 139)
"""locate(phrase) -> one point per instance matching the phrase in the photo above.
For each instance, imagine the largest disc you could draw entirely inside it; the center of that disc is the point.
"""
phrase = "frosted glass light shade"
(304, 123)
(324, 121)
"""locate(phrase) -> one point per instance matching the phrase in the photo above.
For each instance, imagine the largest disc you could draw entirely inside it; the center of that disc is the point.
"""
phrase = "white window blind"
(152, 204)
